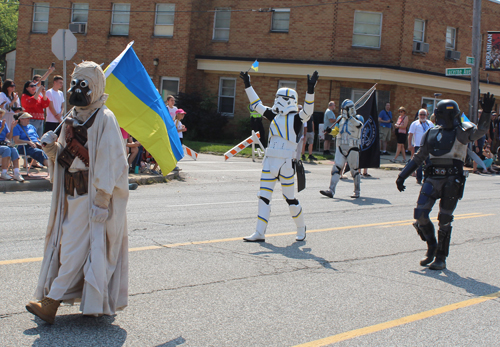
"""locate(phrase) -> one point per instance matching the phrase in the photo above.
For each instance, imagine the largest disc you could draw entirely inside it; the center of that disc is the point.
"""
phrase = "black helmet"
(447, 113)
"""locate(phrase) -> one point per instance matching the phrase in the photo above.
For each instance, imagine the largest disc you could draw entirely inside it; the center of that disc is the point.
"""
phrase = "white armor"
(348, 141)
(280, 152)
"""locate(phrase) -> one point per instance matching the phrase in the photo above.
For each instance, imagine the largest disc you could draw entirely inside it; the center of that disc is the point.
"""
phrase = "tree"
(9, 11)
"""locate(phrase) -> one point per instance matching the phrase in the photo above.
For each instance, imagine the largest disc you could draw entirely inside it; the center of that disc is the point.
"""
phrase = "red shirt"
(34, 106)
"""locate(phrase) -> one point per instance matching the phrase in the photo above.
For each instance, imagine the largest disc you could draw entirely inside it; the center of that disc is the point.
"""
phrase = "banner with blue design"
(369, 155)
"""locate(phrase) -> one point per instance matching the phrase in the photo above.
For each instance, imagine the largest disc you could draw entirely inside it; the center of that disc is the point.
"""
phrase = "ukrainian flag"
(140, 110)
(255, 65)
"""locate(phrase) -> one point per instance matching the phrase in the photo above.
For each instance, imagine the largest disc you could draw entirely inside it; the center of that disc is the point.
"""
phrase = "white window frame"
(164, 25)
(422, 36)
(226, 96)
(287, 84)
(112, 18)
(73, 10)
(35, 7)
(40, 72)
(166, 78)
(429, 101)
(280, 10)
(356, 92)
(221, 9)
(454, 38)
(362, 34)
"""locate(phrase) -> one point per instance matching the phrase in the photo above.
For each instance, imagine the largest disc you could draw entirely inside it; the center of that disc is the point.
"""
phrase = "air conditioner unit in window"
(454, 55)
(78, 28)
(420, 47)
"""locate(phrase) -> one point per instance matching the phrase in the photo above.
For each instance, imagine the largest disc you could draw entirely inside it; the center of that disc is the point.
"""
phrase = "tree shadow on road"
(471, 285)
(294, 252)
(78, 330)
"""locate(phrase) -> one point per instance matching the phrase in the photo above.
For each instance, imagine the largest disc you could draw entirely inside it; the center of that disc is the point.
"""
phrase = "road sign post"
(464, 71)
(64, 47)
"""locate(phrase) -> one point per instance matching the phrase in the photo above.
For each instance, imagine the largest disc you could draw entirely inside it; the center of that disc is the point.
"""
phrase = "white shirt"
(172, 110)
(418, 130)
(57, 98)
(178, 124)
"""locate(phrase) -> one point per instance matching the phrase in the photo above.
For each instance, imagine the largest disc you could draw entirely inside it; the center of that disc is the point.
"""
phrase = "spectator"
(424, 106)
(170, 106)
(328, 121)
(25, 134)
(9, 100)
(56, 97)
(495, 143)
(38, 78)
(488, 160)
(433, 119)
(132, 150)
(179, 116)
(400, 130)
(415, 134)
(385, 124)
(478, 147)
(34, 104)
(8, 153)
(490, 135)
(308, 140)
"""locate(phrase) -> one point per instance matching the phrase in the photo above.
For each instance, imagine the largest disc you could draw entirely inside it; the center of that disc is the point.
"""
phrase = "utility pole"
(476, 53)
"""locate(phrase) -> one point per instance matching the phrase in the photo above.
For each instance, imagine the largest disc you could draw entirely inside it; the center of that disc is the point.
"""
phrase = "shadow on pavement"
(294, 252)
(364, 200)
(469, 284)
(78, 330)
(173, 343)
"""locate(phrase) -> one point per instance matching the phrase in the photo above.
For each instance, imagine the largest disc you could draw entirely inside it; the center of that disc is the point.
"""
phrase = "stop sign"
(64, 37)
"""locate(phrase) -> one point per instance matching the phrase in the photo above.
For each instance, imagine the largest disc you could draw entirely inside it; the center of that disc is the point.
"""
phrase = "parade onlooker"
(34, 104)
(385, 124)
(328, 121)
(132, 150)
(9, 100)
(424, 106)
(55, 110)
(308, 140)
(25, 134)
(170, 106)
(400, 130)
(179, 116)
(415, 134)
(7, 152)
(488, 160)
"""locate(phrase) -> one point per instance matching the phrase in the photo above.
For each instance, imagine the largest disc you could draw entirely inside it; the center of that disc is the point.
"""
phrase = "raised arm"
(254, 99)
(308, 108)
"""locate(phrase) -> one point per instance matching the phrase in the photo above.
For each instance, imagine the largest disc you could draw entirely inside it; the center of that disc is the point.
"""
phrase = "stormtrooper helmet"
(285, 101)
(348, 108)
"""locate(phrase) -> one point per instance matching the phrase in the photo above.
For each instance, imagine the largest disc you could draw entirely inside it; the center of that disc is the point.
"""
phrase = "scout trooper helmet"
(285, 101)
(348, 108)
(447, 114)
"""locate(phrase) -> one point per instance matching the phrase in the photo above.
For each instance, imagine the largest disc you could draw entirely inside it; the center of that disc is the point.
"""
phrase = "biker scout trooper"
(348, 132)
(286, 124)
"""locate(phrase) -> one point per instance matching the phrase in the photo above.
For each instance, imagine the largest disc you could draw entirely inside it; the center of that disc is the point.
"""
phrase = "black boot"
(444, 236)
(426, 233)
(439, 263)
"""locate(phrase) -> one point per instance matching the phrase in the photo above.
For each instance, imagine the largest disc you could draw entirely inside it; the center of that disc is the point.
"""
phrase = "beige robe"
(104, 289)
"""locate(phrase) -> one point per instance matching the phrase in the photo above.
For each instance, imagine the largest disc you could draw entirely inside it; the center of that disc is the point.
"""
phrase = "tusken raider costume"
(279, 164)
(446, 145)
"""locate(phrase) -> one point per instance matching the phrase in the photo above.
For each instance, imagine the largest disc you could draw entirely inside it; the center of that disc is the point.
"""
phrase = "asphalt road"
(354, 281)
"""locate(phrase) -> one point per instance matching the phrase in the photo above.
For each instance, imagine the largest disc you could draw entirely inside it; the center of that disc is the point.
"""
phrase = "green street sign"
(465, 71)
(469, 60)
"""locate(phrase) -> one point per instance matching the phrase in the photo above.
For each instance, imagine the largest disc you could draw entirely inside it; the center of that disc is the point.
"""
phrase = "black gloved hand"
(311, 82)
(488, 102)
(400, 183)
(328, 130)
(246, 79)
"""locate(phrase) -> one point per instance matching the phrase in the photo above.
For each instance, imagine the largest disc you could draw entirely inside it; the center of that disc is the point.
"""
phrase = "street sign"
(464, 71)
(64, 41)
(469, 61)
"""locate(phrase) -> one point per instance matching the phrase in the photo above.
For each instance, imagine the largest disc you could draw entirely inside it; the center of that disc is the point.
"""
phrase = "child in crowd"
(179, 116)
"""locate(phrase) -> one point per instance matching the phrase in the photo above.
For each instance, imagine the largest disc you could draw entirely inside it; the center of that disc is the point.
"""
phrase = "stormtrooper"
(348, 139)
(446, 145)
(279, 165)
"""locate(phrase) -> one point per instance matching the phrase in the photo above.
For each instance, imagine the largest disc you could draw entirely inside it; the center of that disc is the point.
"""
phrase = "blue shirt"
(328, 115)
(384, 115)
(30, 129)
(4, 132)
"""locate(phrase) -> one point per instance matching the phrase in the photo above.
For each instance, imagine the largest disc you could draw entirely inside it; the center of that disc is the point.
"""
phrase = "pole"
(64, 71)
(476, 53)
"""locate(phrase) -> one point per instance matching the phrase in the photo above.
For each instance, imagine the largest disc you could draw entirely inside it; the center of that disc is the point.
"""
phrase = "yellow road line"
(397, 322)
(174, 245)
(435, 220)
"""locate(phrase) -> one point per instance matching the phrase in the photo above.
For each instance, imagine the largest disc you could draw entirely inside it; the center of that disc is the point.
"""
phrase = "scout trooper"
(348, 132)
(278, 165)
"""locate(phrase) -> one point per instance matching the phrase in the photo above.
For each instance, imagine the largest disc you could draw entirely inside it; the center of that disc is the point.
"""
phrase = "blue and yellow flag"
(255, 65)
(140, 110)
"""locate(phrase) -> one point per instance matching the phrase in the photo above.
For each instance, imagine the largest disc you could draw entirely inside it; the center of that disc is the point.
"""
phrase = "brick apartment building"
(188, 45)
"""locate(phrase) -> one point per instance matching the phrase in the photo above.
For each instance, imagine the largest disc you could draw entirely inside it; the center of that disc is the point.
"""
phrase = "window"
(40, 72)
(80, 13)
(120, 19)
(451, 38)
(419, 30)
(227, 92)
(287, 84)
(280, 20)
(41, 17)
(356, 94)
(431, 105)
(221, 24)
(164, 20)
(367, 29)
(169, 86)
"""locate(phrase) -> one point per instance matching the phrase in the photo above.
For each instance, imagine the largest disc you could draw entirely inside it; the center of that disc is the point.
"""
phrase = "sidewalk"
(38, 180)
